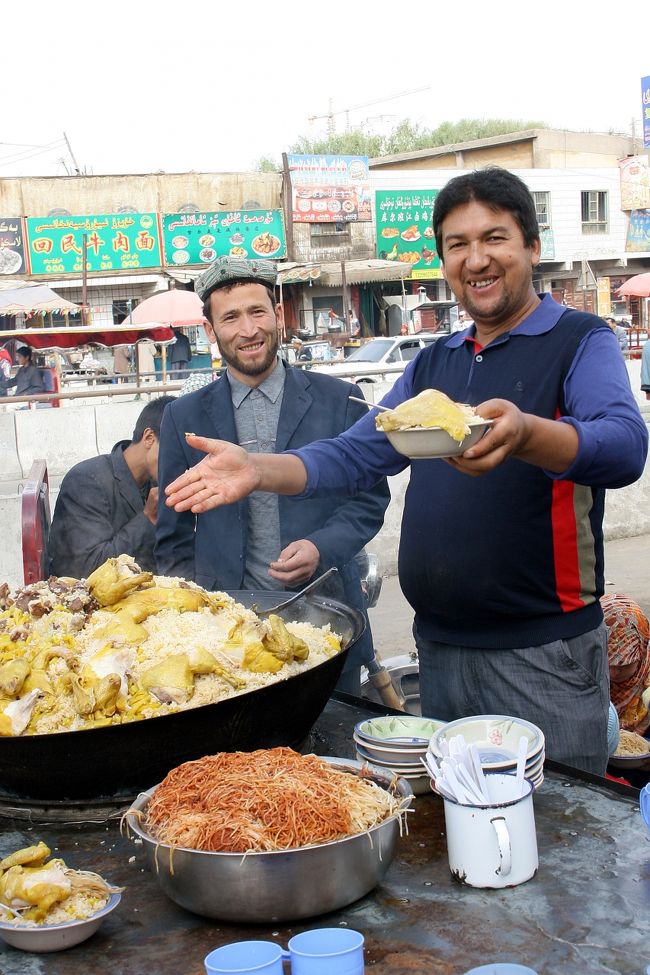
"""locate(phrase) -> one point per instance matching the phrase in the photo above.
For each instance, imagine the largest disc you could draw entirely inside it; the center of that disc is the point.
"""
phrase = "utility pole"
(287, 205)
(84, 280)
(76, 164)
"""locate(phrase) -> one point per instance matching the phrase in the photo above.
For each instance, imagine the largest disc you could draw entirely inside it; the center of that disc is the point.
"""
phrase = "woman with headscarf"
(628, 635)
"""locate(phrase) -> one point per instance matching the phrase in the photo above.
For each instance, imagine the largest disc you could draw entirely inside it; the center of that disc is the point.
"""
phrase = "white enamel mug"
(493, 845)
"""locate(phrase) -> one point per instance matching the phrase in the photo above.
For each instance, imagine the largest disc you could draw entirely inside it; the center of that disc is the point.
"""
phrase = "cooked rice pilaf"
(67, 663)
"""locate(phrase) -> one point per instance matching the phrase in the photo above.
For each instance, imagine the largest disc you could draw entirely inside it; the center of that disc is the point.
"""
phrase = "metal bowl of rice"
(282, 885)
(633, 752)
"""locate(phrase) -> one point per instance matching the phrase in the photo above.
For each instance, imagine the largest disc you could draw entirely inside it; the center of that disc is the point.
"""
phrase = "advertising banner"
(329, 189)
(645, 110)
(604, 296)
(12, 252)
(404, 230)
(638, 232)
(635, 183)
(114, 242)
(199, 238)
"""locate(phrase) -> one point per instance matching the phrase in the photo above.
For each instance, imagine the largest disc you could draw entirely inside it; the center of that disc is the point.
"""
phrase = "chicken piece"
(43, 658)
(107, 694)
(32, 855)
(110, 660)
(37, 680)
(430, 408)
(148, 602)
(42, 887)
(83, 696)
(203, 662)
(12, 677)
(115, 579)
(284, 644)
(15, 717)
(259, 660)
(122, 629)
(171, 681)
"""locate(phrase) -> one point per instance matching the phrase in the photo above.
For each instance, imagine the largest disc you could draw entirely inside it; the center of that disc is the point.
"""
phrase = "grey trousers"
(563, 687)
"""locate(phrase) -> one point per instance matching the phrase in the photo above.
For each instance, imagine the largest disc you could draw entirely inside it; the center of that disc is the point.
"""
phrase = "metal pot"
(126, 758)
(279, 886)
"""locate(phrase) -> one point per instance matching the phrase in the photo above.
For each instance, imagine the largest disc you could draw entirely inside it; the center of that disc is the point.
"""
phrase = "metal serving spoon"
(298, 595)
(371, 406)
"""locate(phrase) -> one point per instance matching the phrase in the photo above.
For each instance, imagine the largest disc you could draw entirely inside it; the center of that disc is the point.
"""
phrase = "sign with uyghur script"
(199, 238)
(114, 242)
(12, 252)
(330, 189)
(645, 110)
(638, 232)
(404, 230)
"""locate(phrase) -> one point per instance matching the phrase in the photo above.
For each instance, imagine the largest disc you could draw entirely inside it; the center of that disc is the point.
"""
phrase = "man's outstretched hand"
(224, 476)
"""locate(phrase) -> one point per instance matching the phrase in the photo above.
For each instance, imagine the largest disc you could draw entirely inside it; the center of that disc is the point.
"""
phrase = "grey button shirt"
(257, 413)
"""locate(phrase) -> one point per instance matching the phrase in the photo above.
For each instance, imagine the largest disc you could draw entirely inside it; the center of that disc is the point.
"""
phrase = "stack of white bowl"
(496, 737)
(397, 744)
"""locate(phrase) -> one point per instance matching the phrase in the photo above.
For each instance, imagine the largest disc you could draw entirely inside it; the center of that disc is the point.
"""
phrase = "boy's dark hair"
(236, 284)
(25, 351)
(151, 417)
(498, 189)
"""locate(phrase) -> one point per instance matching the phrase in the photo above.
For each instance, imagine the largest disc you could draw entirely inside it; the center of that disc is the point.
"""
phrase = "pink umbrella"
(173, 307)
(638, 286)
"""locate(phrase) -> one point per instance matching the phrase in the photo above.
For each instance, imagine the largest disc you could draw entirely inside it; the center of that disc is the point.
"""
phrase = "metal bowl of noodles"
(279, 885)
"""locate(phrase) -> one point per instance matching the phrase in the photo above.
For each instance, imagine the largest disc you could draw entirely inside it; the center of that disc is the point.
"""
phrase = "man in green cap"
(266, 406)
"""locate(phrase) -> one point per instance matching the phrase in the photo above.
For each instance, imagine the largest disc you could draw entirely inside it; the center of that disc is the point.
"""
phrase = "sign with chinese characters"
(329, 189)
(114, 242)
(405, 231)
(645, 110)
(199, 238)
(638, 232)
(12, 253)
(635, 183)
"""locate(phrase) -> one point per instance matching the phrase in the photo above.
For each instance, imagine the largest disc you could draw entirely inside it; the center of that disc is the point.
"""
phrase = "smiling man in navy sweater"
(504, 571)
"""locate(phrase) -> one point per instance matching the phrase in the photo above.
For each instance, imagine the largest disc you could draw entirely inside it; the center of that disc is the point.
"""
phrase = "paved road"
(627, 569)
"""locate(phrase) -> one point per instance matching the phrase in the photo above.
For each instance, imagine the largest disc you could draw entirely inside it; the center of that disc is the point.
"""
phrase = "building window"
(543, 209)
(330, 234)
(122, 309)
(594, 211)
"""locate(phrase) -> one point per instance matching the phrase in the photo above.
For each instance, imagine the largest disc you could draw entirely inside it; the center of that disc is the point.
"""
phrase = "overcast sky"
(211, 86)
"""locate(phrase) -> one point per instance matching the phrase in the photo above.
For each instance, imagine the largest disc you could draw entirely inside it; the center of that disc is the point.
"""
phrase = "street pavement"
(627, 570)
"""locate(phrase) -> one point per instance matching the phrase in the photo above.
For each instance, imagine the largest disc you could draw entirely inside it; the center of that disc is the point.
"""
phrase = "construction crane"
(377, 101)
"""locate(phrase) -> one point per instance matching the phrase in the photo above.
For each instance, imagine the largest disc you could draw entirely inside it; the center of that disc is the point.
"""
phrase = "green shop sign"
(114, 242)
(405, 232)
(199, 238)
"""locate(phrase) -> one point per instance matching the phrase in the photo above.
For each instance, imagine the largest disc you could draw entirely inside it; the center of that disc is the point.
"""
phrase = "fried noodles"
(631, 744)
(270, 799)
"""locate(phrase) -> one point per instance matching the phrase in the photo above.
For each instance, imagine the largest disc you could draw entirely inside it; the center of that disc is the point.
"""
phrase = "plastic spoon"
(467, 779)
(371, 406)
(478, 769)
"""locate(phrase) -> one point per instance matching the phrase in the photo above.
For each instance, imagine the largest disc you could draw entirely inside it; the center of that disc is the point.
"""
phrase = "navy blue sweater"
(514, 557)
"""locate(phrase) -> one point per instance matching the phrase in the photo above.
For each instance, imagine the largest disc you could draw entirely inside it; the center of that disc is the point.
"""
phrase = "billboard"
(114, 242)
(329, 189)
(199, 238)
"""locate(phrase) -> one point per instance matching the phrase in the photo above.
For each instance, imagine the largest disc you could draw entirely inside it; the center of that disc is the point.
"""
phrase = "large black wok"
(128, 758)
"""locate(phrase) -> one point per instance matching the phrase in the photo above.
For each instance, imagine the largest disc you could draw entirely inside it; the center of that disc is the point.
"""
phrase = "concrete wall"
(64, 437)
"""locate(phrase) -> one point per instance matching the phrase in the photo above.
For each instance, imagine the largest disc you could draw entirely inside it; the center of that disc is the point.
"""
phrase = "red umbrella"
(173, 307)
(638, 286)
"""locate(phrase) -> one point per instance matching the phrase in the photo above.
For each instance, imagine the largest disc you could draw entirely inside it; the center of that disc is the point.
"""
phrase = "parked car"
(381, 357)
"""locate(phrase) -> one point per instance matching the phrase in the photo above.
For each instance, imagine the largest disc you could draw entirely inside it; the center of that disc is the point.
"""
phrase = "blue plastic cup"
(501, 968)
(246, 956)
(325, 951)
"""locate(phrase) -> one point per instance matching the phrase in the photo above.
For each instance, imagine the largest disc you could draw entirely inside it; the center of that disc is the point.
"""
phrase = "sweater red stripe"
(565, 547)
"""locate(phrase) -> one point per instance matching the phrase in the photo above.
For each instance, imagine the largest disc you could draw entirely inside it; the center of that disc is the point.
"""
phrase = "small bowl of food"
(432, 425)
(47, 906)
(633, 751)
